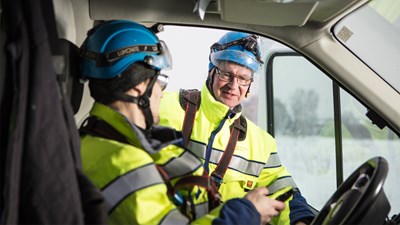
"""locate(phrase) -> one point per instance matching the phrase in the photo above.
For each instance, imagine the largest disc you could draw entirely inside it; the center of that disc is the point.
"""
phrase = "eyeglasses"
(162, 80)
(227, 76)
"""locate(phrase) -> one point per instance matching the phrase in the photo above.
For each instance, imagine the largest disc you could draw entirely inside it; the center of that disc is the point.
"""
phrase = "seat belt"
(190, 101)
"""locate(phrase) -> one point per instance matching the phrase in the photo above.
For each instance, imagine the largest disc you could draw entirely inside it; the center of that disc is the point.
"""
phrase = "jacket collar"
(214, 110)
(160, 136)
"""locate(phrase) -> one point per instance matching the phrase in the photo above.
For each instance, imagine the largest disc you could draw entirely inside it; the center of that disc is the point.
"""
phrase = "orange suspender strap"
(167, 181)
(223, 163)
(191, 98)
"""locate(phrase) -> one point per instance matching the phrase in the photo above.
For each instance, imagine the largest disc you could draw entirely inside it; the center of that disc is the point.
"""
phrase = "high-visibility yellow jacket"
(255, 162)
(134, 190)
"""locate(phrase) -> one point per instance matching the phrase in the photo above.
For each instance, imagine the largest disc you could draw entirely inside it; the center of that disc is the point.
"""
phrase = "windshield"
(373, 34)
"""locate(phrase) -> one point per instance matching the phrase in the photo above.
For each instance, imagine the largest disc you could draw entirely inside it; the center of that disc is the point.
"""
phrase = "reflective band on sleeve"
(281, 183)
(237, 163)
(185, 164)
(174, 217)
(130, 182)
(273, 161)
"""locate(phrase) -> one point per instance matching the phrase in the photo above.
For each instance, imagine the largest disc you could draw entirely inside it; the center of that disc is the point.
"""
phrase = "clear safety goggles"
(236, 56)
(162, 60)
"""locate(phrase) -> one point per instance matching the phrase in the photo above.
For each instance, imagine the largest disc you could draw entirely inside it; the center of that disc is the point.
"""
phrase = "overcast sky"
(189, 50)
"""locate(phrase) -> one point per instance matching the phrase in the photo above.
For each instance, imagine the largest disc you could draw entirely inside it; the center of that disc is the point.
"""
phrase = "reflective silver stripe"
(281, 183)
(198, 149)
(130, 182)
(174, 217)
(201, 209)
(245, 166)
(237, 163)
(183, 165)
(273, 161)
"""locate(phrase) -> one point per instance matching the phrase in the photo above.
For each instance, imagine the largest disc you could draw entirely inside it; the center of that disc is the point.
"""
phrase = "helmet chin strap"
(143, 102)
(248, 91)
(210, 81)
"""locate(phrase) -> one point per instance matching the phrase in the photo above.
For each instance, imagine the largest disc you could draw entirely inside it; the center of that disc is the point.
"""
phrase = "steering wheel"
(360, 199)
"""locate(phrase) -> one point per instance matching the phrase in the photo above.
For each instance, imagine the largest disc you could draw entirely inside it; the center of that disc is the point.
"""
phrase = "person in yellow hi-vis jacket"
(237, 162)
(143, 171)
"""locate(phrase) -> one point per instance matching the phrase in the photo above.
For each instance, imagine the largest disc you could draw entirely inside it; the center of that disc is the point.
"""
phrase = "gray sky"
(189, 52)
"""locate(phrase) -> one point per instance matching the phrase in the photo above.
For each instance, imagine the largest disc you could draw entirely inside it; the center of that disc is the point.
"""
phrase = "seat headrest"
(66, 60)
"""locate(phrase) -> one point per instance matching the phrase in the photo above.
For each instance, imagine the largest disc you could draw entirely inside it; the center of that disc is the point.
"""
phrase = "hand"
(267, 207)
(301, 223)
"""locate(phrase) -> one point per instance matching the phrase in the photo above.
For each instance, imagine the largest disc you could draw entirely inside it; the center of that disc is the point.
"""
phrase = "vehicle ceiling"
(268, 17)
(259, 12)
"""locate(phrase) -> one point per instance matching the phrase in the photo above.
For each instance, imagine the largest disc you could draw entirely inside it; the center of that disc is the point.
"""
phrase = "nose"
(233, 83)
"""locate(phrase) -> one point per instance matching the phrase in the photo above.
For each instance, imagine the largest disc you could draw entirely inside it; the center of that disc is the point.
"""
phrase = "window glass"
(305, 132)
(363, 140)
(303, 104)
(189, 48)
(371, 32)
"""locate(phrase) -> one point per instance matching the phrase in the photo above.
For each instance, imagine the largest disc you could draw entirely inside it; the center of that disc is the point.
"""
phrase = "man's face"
(229, 91)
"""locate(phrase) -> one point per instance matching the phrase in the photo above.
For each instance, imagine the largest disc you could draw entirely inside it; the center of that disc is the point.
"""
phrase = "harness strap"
(192, 98)
(219, 172)
(190, 101)
(96, 127)
(214, 198)
(166, 179)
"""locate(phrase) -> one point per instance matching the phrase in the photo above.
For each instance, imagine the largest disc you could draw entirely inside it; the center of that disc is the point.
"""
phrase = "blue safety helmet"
(113, 46)
(237, 47)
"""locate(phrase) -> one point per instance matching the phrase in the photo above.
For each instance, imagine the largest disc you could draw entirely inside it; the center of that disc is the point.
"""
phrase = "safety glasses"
(228, 77)
(162, 80)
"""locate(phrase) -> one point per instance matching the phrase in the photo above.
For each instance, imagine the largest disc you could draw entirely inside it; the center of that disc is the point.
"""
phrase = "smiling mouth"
(228, 94)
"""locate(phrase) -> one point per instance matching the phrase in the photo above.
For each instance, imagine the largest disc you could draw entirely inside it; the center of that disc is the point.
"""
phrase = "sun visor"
(261, 11)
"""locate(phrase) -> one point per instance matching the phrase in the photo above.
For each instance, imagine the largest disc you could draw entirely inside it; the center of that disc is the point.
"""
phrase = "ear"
(139, 89)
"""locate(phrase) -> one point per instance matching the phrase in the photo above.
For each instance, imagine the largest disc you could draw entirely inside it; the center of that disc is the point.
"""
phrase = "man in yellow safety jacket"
(237, 162)
(142, 170)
